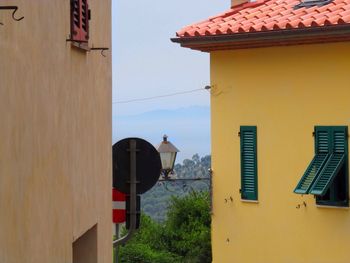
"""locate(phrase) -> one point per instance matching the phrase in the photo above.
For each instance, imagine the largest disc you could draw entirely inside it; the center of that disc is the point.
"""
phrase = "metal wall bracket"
(102, 49)
(84, 45)
(14, 8)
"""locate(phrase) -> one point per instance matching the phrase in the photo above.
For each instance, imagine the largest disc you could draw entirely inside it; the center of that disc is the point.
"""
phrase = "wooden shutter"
(338, 137)
(80, 20)
(322, 140)
(249, 184)
(310, 174)
(85, 20)
(322, 153)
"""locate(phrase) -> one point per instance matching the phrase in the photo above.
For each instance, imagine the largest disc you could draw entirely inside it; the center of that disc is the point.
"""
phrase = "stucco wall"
(55, 134)
(285, 92)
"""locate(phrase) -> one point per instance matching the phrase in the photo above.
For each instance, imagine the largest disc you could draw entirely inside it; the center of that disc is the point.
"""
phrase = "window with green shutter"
(327, 175)
(322, 153)
(249, 184)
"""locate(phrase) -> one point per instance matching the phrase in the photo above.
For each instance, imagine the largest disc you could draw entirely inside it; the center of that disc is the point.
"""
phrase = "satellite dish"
(148, 165)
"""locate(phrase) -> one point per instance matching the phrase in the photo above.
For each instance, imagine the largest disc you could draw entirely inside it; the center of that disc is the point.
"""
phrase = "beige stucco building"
(55, 133)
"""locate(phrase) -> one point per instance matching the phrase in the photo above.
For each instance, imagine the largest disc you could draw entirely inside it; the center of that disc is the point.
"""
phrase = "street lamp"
(167, 153)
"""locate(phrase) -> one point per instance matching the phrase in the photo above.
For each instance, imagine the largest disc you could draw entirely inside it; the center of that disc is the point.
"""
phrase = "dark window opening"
(337, 194)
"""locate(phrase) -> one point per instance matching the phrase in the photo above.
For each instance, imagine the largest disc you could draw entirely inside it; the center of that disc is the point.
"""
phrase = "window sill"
(250, 201)
(84, 47)
(333, 207)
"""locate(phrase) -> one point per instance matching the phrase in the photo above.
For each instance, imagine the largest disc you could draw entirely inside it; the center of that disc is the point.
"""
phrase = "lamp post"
(167, 152)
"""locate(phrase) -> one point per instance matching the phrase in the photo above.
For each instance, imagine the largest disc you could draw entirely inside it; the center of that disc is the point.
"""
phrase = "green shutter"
(322, 150)
(335, 162)
(310, 174)
(340, 139)
(327, 174)
(322, 139)
(249, 184)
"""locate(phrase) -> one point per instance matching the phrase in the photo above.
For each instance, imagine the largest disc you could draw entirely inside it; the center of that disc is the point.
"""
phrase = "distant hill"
(187, 128)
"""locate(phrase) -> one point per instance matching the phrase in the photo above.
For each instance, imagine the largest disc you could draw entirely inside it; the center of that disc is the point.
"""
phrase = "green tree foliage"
(184, 237)
(155, 202)
(196, 167)
(144, 253)
(147, 245)
(188, 227)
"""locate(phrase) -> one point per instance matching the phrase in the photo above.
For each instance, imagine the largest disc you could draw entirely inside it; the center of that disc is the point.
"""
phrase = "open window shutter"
(75, 20)
(322, 153)
(249, 186)
(79, 20)
(85, 20)
(334, 163)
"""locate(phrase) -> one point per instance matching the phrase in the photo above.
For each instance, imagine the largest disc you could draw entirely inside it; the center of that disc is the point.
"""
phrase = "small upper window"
(80, 16)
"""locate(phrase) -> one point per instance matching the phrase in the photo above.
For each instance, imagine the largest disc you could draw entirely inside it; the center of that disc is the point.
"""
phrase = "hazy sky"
(146, 63)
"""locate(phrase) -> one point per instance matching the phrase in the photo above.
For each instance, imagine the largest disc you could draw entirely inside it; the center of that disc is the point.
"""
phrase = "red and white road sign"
(119, 209)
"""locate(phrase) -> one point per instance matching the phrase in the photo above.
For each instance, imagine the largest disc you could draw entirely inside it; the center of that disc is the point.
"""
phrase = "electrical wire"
(161, 96)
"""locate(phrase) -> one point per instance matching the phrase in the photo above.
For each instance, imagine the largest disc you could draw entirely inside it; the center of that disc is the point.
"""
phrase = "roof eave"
(284, 37)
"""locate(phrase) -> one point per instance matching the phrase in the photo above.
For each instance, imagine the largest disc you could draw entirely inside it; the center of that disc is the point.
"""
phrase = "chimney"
(237, 2)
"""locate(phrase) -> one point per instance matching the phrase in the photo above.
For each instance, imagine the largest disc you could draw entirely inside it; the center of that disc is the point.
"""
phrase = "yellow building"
(280, 115)
(55, 132)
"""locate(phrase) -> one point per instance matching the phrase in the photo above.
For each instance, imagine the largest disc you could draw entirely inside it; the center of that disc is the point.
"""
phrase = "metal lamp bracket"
(14, 8)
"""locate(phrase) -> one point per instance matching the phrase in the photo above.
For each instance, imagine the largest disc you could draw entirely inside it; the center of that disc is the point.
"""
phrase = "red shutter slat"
(80, 20)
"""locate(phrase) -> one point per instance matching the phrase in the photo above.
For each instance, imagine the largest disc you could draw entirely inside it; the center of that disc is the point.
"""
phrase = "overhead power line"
(161, 96)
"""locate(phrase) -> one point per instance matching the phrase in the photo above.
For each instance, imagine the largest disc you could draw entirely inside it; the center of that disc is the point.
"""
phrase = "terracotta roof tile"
(345, 13)
(269, 15)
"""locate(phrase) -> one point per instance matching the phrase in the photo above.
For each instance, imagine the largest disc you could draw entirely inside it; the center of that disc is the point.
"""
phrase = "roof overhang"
(285, 37)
